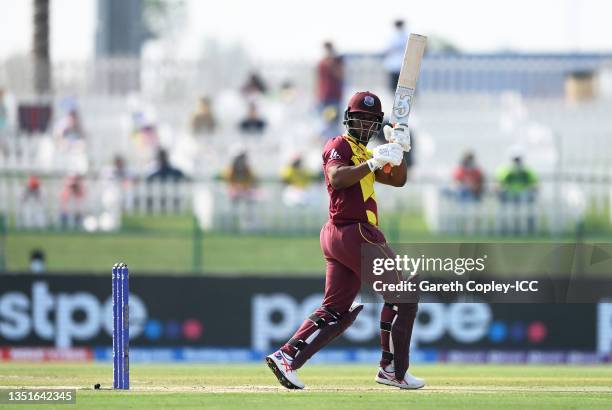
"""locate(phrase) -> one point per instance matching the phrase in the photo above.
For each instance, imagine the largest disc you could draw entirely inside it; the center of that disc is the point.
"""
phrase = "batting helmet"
(363, 102)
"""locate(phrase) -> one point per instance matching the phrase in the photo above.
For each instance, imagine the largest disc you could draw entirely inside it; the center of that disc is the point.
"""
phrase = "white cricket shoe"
(387, 376)
(280, 364)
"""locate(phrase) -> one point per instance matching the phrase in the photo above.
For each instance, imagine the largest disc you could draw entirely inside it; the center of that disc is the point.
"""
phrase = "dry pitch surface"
(328, 386)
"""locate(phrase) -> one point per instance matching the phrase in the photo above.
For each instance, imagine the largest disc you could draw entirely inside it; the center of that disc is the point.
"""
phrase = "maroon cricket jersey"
(356, 203)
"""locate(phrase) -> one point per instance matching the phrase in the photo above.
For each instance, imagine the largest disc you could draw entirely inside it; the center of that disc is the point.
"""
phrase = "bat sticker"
(402, 103)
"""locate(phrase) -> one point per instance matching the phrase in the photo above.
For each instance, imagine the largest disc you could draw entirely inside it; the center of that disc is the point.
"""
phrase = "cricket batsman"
(350, 172)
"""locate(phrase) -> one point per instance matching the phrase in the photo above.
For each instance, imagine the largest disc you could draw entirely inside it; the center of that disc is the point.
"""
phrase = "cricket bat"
(406, 85)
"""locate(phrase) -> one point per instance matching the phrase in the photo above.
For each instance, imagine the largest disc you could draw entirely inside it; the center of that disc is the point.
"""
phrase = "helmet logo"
(369, 101)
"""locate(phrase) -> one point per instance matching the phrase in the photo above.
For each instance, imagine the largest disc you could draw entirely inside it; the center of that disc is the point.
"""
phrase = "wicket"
(121, 326)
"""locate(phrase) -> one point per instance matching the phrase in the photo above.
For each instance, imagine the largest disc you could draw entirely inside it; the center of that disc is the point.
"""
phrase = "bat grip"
(387, 167)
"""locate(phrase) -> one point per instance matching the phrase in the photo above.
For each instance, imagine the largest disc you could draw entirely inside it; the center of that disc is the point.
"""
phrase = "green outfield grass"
(167, 253)
(167, 244)
(328, 387)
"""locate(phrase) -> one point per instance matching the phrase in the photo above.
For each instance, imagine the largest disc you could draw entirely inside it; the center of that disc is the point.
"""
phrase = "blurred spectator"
(330, 79)
(72, 197)
(517, 186)
(164, 170)
(254, 86)
(34, 117)
(295, 175)
(330, 127)
(469, 179)
(253, 123)
(32, 208)
(69, 128)
(288, 92)
(37, 261)
(160, 199)
(202, 120)
(119, 170)
(116, 187)
(517, 183)
(240, 178)
(119, 173)
(3, 111)
(33, 188)
(394, 53)
(297, 180)
(145, 132)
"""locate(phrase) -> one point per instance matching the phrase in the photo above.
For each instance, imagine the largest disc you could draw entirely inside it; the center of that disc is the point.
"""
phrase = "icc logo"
(369, 101)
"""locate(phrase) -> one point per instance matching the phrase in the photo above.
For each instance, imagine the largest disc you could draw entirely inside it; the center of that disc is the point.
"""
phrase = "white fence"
(491, 216)
(94, 204)
(270, 207)
(99, 203)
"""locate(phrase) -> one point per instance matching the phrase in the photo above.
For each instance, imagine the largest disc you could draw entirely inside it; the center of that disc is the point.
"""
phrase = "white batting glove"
(386, 154)
(399, 134)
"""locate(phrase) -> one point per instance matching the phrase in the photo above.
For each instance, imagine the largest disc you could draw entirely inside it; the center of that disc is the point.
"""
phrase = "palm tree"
(42, 65)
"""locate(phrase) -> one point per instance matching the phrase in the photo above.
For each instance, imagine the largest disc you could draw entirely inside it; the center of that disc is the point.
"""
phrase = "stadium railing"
(100, 204)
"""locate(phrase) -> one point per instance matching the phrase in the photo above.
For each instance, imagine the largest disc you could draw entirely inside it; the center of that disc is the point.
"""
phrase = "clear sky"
(278, 29)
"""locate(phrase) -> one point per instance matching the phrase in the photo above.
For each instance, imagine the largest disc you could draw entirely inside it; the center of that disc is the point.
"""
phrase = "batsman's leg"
(331, 319)
(395, 335)
(387, 317)
(324, 325)
(327, 326)
(396, 324)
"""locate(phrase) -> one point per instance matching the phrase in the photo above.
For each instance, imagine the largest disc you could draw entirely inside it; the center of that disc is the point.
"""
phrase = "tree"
(439, 44)
(40, 49)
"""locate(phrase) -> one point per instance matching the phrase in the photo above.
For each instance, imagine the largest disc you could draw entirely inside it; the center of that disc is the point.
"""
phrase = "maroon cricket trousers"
(341, 245)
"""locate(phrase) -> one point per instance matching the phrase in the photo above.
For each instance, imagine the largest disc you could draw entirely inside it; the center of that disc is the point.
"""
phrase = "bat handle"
(387, 167)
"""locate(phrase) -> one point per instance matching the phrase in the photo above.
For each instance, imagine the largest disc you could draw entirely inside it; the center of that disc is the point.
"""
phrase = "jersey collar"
(353, 140)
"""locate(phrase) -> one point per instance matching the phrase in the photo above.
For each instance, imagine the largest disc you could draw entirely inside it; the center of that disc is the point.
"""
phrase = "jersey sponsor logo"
(334, 154)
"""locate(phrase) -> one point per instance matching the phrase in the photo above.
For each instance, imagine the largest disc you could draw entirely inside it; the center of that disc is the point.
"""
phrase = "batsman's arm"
(343, 176)
(397, 177)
